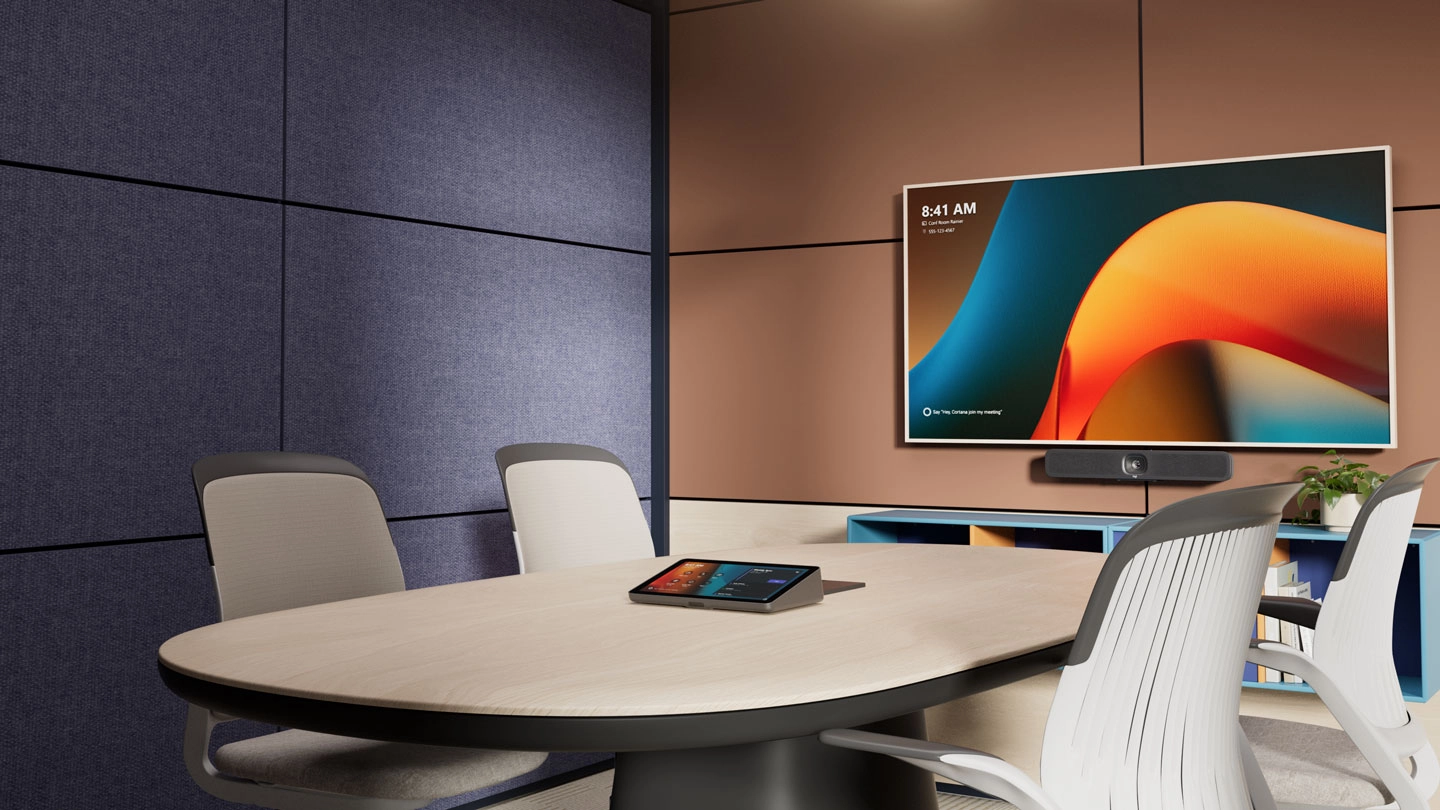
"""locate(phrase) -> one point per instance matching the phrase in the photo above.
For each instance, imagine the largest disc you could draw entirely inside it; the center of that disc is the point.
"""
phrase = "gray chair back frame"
(287, 530)
(1145, 713)
(571, 505)
(1355, 627)
(1352, 669)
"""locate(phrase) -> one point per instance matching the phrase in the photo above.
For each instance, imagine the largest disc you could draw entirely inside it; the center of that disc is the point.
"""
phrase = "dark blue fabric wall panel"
(520, 116)
(416, 351)
(141, 331)
(87, 723)
(440, 551)
(169, 90)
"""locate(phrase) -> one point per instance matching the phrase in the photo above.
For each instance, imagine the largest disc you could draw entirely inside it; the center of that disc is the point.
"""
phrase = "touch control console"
(729, 585)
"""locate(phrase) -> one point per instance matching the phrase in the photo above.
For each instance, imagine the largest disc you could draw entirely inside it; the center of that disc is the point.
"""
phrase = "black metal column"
(798, 773)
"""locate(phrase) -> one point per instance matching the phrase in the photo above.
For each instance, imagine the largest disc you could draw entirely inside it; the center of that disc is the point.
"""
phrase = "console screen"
(715, 579)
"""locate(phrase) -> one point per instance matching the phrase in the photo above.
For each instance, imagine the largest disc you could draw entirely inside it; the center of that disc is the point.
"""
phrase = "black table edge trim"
(628, 733)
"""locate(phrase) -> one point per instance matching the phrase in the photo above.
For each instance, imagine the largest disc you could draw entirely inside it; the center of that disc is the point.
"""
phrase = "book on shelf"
(1307, 635)
(1278, 575)
(1290, 632)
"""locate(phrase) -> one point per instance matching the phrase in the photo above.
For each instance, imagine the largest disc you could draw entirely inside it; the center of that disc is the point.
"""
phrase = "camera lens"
(1134, 464)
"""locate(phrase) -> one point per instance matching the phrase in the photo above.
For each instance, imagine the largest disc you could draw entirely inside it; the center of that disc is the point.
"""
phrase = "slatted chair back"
(1145, 713)
(1353, 632)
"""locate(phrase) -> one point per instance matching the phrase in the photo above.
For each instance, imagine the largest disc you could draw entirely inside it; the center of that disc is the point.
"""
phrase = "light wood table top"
(570, 643)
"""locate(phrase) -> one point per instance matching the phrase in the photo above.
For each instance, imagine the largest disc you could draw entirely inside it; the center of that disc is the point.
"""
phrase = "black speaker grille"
(1139, 465)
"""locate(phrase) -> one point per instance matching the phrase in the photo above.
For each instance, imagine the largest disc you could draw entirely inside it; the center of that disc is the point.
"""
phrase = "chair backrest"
(1353, 631)
(287, 530)
(1145, 713)
(571, 505)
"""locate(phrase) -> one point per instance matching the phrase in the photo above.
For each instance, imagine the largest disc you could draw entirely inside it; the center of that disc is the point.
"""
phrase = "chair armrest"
(200, 723)
(977, 769)
(890, 745)
(1382, 753)
(1295, 609)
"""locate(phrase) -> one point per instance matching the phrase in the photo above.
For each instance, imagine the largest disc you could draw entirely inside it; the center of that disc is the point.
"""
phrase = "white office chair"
(571, 505)
(1382, 757)
(1144, 716)
(286, 530)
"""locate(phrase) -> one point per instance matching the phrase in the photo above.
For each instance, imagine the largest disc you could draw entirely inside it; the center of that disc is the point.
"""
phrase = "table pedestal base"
(793, 774)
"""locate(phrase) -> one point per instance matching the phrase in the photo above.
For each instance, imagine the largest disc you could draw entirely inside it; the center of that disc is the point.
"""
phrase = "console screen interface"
(723, 580)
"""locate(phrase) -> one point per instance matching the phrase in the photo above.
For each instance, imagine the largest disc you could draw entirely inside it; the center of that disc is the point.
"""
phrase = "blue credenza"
(1417, 607)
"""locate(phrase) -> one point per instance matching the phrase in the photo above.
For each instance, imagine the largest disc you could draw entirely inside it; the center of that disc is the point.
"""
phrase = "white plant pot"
(1341, 516)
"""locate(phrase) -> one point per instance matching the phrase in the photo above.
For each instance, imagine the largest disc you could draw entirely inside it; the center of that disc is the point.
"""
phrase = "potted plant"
(1341, 488)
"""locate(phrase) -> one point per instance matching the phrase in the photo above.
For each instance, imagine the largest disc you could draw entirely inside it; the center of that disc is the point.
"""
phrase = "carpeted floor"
(593, 793)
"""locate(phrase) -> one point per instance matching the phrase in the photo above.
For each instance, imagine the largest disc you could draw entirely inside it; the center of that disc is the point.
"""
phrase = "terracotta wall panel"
(785, 386)
(797, 121)
(1230, 78)
(1417, 333)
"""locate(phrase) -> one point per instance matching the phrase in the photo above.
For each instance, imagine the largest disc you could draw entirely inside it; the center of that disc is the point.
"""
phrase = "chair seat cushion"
(382, 770)
(1305, 764)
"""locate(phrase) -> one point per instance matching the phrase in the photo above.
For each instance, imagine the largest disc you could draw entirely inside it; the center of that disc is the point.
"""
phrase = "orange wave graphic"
(1213, 272)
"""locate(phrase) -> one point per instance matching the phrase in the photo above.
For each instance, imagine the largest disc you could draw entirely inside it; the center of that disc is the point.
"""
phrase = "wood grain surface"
(570, 643)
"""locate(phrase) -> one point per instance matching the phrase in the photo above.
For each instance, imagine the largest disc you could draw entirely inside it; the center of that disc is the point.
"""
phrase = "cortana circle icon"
(926, 411)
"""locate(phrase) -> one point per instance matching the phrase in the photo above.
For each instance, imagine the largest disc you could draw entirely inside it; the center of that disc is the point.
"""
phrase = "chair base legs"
(793, 774)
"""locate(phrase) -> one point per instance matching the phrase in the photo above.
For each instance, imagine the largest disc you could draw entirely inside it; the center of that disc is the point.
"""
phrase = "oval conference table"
(705, 709)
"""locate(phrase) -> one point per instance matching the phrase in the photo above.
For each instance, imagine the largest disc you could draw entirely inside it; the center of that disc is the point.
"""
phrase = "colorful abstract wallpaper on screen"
(1239, 302)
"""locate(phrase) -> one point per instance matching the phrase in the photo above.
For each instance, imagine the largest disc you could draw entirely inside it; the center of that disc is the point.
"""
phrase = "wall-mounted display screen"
(1240, 302)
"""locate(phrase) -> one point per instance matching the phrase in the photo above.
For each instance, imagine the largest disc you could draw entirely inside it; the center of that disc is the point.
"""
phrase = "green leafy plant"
(1342, 477)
